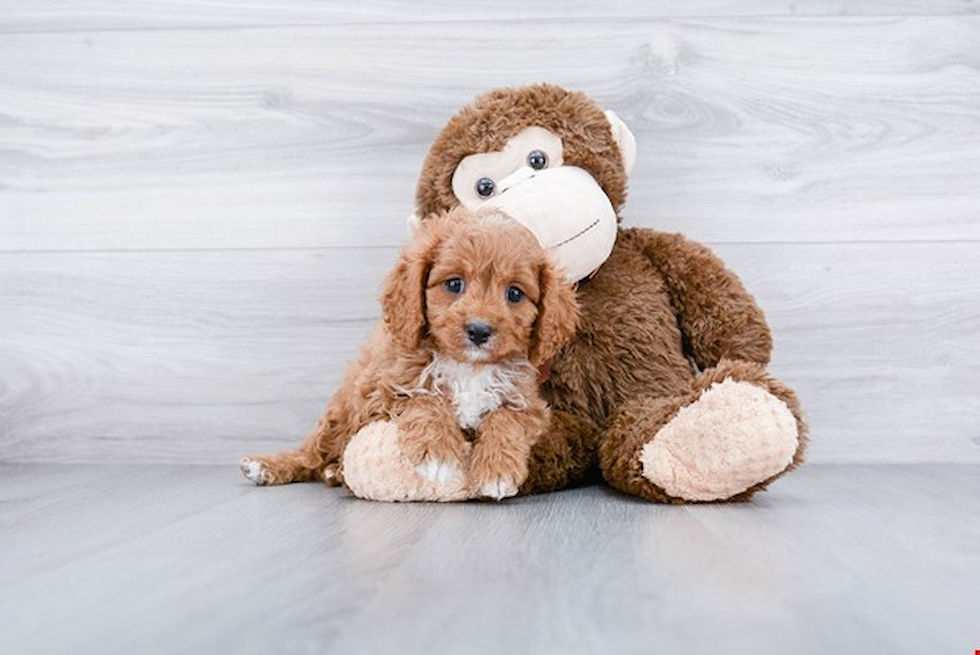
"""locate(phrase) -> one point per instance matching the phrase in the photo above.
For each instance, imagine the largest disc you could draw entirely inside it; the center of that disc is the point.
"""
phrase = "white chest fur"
(475, 390)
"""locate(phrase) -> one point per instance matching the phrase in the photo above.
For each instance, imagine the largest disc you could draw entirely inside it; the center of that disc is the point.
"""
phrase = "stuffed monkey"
(664, 388)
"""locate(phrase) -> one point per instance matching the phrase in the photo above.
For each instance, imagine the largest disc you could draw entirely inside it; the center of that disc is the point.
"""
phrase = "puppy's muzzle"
(478, 332)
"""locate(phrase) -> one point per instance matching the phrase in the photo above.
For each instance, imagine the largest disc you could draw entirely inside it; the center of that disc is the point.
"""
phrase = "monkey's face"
(562, 205)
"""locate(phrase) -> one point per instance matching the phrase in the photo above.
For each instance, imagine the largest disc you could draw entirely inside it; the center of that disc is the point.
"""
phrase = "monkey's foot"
(734, 436)
(376, 468)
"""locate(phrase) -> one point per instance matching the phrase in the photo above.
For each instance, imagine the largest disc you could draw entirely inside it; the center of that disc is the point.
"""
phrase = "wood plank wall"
(198, 200)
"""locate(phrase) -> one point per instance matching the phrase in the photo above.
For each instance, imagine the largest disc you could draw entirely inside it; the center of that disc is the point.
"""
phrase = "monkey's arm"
(717, 316)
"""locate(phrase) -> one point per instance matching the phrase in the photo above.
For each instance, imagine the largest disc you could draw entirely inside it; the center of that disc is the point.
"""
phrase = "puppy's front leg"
(503, 446)
(431, 438)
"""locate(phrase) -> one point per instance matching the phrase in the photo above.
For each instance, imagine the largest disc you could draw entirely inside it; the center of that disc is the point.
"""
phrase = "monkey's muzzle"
(566, 210)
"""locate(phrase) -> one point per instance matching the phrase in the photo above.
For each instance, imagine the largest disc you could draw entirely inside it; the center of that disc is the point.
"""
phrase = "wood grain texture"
(134, 553)
(68, 15)
(200, 357)
(198, 200)
(750, 129)
(152, 559)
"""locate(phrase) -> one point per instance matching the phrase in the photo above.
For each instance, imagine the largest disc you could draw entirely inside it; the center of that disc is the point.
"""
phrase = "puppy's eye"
(485, 187)
(514, 295)
(537, 160)
(455, 285)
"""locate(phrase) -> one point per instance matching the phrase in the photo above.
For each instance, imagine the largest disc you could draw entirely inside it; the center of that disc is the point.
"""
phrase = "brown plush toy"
(625, 396)
(624, 393)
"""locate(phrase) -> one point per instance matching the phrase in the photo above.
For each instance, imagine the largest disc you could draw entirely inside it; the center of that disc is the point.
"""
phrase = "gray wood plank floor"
(170, 559)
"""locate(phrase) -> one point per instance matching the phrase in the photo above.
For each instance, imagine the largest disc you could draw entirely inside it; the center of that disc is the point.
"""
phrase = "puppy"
(472, 310)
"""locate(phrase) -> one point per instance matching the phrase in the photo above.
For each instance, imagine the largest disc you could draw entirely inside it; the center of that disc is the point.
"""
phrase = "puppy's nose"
(478, 332)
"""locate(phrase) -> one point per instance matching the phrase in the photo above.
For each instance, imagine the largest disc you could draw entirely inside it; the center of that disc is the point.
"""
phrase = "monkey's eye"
(455, 285)
(485, 187)
(514, 295)
(537, 160)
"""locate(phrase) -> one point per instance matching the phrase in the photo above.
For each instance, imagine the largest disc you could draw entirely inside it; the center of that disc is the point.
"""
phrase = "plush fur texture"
(659, 301)
(377, 466)
(422, 371)
(495, 117)
(682, 458)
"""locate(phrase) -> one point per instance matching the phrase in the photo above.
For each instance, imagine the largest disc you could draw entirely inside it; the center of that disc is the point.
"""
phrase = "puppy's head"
(480, 289)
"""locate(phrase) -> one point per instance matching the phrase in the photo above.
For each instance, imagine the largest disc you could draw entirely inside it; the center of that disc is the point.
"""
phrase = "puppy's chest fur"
(475, 390)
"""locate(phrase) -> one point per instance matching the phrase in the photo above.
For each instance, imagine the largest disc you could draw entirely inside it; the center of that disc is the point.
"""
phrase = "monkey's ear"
(624, 139)
(414, 224)
(434, 222)
(403, 298)
(558, 315)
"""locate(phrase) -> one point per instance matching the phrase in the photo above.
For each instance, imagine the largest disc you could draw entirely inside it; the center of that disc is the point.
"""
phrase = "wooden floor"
(191, 559)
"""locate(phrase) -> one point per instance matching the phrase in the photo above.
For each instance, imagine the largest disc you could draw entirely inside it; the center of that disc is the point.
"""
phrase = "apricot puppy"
(472, 310)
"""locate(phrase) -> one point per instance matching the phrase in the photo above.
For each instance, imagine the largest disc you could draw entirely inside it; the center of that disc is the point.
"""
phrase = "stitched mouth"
(576, 235)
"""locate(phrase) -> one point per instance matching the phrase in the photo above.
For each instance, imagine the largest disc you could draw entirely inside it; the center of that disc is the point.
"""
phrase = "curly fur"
(475, 390)
(659, 301)
(420, 370)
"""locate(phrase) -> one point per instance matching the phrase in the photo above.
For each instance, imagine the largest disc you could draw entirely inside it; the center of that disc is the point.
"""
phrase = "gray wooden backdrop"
(198, 200)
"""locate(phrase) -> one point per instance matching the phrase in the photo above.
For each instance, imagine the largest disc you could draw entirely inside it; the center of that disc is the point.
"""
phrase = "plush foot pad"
(375, 468)
(254, 471)
(734, 436)
(438, 471)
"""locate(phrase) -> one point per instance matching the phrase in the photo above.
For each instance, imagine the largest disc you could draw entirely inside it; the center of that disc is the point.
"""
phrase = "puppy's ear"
(403, 299)
(557, 316)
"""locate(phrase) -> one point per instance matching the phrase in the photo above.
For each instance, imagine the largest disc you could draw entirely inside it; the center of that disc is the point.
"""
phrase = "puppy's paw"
(495, 473)
(255, 471)
(502, 487)
(331, 475)
(436, 456)
(439, 471)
